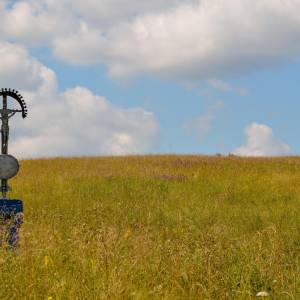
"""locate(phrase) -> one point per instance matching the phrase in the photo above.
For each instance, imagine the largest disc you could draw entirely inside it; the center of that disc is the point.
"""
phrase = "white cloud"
(20, 69)
(75, 122)
(112, 11)
(226, 87)
(185, 40)
(81, 47)
(203, 124)
(81, 123)
(3, 4)
(38, 23)
(204, 40)
(262, 142)
(35, 23)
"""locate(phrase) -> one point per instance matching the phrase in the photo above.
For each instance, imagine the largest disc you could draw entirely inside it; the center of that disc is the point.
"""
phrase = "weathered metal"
(9, 166)
(11, 211)
(5, 114)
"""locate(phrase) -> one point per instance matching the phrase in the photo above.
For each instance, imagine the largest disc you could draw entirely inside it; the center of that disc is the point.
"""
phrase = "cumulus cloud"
(38, 23)
(186, 40)
(103, 12)
(203, 40)
(262, 142)
(74, 122)
(19, 68)
(79, 122)
(82, 47)
(35, 23)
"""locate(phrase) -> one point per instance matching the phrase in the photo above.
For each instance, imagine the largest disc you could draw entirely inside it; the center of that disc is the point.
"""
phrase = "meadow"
(156, 227)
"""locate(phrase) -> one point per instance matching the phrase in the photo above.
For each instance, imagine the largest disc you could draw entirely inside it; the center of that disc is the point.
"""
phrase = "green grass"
(156, 227)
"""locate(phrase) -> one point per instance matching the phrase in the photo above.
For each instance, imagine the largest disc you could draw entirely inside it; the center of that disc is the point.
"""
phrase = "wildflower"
(94, 266)
(50, 298)
(127, 234)
(46, 260)
(262, 294)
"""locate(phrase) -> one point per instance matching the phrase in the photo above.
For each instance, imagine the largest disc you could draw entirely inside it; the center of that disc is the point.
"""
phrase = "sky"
(119, 77)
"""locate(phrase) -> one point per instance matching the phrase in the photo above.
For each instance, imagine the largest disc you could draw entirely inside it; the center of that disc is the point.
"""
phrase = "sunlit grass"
(156, 227)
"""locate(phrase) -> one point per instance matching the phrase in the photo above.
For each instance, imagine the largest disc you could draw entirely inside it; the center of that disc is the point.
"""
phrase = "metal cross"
(5, 114)
(11, 210)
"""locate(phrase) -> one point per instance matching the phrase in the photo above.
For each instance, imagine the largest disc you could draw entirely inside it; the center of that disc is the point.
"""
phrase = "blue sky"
(271, 99)
(164, 78)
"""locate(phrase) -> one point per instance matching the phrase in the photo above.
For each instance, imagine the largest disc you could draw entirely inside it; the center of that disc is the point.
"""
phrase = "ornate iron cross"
(9, 165)
(11, 210)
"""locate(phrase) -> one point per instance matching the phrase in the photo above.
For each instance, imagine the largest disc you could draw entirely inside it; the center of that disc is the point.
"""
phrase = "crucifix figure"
(11, 210)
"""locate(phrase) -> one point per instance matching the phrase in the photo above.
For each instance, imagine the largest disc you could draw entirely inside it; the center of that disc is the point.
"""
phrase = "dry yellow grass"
(156, 227)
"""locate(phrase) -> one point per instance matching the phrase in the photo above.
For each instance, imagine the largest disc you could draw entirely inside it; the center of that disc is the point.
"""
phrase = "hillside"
(156, 227)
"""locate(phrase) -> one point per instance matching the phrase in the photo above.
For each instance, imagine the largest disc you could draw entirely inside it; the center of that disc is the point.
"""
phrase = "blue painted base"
(10, 207)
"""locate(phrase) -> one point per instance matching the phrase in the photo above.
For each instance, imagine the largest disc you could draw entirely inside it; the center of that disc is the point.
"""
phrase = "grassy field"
(156, 227)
